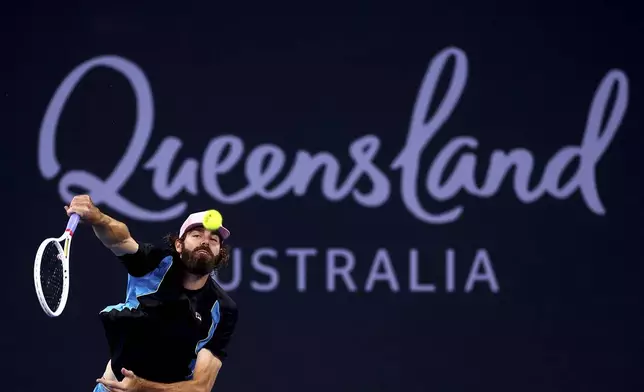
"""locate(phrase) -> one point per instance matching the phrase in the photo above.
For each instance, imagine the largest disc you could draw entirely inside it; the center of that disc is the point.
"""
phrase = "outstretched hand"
(130, 383)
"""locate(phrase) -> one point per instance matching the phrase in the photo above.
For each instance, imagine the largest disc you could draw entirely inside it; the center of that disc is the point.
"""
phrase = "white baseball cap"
(196, 220)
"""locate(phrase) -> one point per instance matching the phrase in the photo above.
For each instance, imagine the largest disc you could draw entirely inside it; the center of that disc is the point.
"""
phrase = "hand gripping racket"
(51, 270)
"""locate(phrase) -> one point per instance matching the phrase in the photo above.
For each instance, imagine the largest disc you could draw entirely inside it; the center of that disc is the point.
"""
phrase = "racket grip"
(72, 223)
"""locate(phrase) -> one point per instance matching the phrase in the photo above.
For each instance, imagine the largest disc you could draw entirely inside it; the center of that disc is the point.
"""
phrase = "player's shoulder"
(155, 249)
(146, 259)
(147, 250)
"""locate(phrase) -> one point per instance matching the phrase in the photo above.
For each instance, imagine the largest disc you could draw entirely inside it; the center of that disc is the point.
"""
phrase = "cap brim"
(223, 232)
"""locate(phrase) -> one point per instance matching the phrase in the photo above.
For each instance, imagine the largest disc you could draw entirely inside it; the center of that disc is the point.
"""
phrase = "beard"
(199, 261)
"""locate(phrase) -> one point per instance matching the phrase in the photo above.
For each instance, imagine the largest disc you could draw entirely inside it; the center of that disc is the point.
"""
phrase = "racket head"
(51, 274)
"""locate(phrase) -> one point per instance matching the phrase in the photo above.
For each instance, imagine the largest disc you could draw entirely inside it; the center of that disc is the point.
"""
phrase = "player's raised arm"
(112, 233)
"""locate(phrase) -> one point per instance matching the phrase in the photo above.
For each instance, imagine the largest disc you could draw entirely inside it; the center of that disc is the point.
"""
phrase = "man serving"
(171, 332)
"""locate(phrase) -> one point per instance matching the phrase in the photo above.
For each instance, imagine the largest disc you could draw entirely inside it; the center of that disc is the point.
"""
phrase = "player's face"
(199, 251)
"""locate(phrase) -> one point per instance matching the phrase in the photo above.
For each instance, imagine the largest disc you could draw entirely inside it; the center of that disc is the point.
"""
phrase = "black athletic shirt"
(159, 329)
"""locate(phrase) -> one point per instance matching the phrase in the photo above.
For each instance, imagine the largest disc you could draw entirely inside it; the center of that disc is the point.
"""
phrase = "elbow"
(126, 246)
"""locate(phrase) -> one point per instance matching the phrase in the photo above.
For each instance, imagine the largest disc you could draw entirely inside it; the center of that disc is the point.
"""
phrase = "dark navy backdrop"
(430, 266)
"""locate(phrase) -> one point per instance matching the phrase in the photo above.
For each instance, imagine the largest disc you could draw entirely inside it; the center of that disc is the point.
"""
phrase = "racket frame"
(64, 251)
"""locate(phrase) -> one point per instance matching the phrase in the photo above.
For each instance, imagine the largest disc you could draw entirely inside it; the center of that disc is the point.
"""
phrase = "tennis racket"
(51, 270)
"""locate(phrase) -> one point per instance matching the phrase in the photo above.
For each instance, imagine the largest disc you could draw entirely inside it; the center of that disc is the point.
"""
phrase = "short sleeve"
(223, 332)
(146, 259)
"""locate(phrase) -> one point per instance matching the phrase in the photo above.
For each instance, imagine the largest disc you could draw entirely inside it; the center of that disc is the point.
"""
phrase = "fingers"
(81, 200)
(127, 373)
(81, 205)
(74, 209)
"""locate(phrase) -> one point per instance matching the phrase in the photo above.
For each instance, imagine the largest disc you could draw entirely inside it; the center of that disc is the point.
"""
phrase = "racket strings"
(51, 276)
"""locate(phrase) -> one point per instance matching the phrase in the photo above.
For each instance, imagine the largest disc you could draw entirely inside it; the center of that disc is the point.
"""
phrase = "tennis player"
(171, 332)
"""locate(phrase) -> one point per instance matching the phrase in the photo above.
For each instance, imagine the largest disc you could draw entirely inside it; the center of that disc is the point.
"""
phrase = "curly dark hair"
(222, 257)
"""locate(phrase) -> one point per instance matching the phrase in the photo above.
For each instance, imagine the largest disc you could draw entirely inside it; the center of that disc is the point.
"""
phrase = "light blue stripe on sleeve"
(144, 285)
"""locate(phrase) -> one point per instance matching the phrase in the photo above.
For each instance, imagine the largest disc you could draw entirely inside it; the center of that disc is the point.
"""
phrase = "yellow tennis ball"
(212, 220)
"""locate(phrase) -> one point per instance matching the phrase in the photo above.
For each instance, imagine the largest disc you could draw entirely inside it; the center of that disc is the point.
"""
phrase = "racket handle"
(72, 223)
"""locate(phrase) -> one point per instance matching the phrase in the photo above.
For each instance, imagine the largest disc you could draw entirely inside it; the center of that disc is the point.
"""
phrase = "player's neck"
(194, 282)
